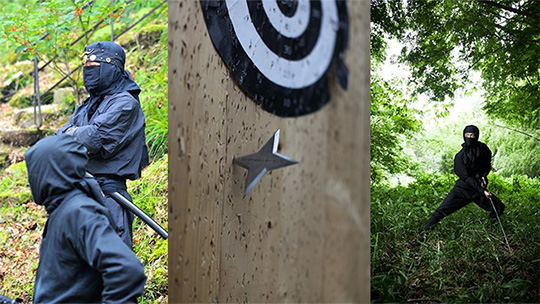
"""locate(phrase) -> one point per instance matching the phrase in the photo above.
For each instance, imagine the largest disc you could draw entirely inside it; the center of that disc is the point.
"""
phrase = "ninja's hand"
(487, 194)
(483, 183)
(70, 130)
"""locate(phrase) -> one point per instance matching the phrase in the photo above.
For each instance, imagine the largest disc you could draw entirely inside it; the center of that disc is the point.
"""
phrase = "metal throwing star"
(266, 159)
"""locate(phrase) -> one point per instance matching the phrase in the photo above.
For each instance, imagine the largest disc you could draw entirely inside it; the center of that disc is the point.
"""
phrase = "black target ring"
(281, 53)
(288, 48)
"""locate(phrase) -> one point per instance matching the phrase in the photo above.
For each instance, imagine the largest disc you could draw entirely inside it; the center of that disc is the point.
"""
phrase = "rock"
(20, 138)
(12, 79)
(63, 95)
(24, 118)
(21, 98)
(4, 154)
(18, 76)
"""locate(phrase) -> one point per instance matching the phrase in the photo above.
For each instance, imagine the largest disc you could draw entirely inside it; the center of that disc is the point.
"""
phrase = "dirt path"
(6, 118)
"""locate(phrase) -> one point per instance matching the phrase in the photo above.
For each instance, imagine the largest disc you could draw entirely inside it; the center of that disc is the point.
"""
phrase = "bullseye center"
(288, 7)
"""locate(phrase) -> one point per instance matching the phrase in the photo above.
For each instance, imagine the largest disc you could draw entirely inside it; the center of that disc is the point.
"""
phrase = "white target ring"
(291, 27)
(293, 74)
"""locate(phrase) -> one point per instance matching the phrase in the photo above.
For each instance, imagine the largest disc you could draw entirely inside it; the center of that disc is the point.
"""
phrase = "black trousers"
(457, 198)
(123, 218)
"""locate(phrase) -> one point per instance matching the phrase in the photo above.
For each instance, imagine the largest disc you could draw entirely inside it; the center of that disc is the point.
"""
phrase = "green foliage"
(515, 152)
(391, 121)
(465, 258)
(154, 82)
(499, 39)
(150, 194)
(21, 223)
(48, 27)
(387, 22)
(14, 186)
(21, 100)
(67, 102)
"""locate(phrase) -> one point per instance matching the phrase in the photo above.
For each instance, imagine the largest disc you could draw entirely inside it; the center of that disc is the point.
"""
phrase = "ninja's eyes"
(92, 63)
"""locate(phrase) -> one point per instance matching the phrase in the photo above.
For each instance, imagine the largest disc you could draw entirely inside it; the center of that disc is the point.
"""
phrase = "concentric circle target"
(280, 52)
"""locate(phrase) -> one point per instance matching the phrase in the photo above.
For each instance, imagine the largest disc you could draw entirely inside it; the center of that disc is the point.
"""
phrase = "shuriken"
(266, 159)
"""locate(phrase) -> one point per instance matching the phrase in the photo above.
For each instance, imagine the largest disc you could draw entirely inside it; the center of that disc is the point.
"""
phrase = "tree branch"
(510, 9)
(518, 131)
(479, 58)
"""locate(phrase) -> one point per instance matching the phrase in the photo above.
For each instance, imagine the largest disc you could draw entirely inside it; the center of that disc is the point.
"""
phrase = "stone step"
(23, 137)
(24, 118)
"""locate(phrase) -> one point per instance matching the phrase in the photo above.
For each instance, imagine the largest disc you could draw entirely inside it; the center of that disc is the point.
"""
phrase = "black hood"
(471, 141)
(109, 77)
(56, 165)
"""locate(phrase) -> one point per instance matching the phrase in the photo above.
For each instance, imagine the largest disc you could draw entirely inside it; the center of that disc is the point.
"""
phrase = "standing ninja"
(472, 165)
(82, 258)
(110, 124)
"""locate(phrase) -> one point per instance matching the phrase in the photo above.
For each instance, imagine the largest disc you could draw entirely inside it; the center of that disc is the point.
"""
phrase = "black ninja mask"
(102, 79)
(91, 78)
(470, 135)
(109, 77)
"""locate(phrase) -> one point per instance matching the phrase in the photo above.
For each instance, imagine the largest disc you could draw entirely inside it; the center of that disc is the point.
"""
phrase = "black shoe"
(420, 239)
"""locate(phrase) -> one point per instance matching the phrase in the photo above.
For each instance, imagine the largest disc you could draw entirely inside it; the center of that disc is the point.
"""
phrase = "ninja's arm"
(101, 247)
(487, 163)
(110, 130)
(70, 124)
(461, 171)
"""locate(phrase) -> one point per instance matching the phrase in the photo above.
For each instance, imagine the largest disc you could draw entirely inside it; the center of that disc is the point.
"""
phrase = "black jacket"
(111, 122)
(114, 135)
(82, 259)
(470, 173)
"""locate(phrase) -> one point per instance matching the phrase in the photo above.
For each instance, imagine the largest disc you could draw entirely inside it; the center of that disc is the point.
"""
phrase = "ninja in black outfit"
(82, 259)
(472, 165)
(110, 124)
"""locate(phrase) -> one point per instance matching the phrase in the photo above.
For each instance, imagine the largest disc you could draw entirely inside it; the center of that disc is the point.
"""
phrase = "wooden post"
(302, 234)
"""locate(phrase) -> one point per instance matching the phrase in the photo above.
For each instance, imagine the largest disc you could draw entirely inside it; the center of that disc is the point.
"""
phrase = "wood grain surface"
(302, 234)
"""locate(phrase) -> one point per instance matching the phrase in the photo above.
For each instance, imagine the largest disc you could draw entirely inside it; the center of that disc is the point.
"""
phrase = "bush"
(465, 258)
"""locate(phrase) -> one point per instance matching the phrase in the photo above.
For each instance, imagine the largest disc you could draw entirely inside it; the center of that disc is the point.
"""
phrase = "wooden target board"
(302, 233)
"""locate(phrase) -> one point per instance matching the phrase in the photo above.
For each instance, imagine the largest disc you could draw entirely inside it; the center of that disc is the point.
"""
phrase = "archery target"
(280, 52)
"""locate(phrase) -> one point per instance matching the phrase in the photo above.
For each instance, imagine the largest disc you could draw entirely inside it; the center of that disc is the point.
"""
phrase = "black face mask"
(109, 77)
(102, 80)
(469, 142)
(91, 77)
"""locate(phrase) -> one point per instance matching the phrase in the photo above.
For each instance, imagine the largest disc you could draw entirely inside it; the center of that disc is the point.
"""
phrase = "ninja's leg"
(484, 203)
(123, 219)
(451, 203)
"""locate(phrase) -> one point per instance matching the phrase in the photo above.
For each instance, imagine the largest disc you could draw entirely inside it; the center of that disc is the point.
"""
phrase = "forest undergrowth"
(465, 259)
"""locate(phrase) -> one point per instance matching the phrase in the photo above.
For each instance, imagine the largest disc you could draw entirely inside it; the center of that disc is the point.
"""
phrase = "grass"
(21, 224)
(150, 193)
(465, 258)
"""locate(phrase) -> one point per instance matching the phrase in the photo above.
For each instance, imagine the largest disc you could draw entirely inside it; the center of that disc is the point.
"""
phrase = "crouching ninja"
(472, 165)
(82, 259)
(110, 124)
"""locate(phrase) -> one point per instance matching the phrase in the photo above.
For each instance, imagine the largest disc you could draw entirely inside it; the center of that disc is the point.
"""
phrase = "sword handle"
(138, 212)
